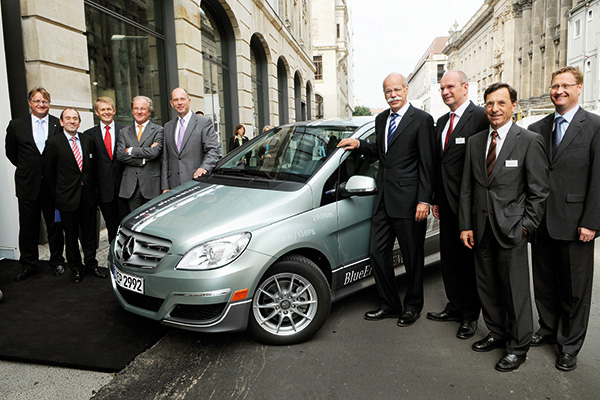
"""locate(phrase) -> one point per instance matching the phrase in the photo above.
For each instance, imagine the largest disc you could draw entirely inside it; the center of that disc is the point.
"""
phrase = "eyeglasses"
(564, 86)
(42, 102)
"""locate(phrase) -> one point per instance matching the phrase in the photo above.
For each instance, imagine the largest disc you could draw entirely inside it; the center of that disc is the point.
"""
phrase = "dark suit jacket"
(24, 154)
(199, 148)
(514, 195)
(406, 173)
(109, 172)
(452, 159)
(66, 181)
(574, 199)
(147, 174)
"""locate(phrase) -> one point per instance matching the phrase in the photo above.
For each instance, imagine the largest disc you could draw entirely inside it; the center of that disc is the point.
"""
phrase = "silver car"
(266, 242)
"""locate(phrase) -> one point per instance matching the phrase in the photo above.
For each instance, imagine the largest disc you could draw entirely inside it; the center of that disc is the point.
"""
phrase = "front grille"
(135, 249)
(198, 313)
(141, 301)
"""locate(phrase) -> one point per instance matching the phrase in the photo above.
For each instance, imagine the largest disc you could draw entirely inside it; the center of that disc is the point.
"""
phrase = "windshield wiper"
(243, 172)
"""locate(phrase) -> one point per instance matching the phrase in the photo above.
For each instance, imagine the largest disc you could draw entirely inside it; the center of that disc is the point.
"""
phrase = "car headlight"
(216, 253)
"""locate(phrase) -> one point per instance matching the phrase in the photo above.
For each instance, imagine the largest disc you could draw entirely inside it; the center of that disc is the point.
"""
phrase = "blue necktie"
(392, 128)
(559, 132)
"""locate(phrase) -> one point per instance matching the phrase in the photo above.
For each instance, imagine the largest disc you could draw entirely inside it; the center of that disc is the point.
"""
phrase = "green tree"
(360, 111)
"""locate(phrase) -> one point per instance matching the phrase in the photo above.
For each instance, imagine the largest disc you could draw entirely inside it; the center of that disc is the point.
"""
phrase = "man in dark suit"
(25, 144)
(458, 268)
(405, 146)
(69, 167)
(191, 145)
(108, 170)
(563, 249)
(503, 189)
(139, 147)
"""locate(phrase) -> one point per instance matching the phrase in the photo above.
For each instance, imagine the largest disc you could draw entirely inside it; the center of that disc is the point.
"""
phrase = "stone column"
(188, 40)
(56, 56)
(527, 52)
(537, 64)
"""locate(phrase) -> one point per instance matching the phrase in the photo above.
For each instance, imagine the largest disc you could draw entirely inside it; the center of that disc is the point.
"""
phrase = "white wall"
(8, 201)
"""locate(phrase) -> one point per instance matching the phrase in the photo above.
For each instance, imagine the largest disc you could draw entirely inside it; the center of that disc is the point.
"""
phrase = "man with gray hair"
(139, 147)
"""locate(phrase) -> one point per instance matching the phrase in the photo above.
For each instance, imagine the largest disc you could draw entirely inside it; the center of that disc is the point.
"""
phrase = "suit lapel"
(509, 144)
(546, 132)
(439, 131)
(480, 148)
(381, 129)
(404, 122)
(146, 133)
(571, 133)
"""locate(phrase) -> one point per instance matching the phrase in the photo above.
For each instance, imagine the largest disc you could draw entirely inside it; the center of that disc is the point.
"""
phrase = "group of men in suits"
(494, 187)
(108, 166)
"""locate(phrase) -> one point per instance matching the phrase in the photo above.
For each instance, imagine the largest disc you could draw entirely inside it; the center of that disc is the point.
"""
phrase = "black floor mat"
(51, 320)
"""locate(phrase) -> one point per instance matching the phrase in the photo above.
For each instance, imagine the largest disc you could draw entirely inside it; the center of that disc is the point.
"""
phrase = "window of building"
(260, 93)
(318, 60)
(299, 104)
(590, 15)
(338, 33)
(308, 103)
(319, 105)
(577, 30)
(440, 72)
(218, 43)
(126, 54)
(282, 92)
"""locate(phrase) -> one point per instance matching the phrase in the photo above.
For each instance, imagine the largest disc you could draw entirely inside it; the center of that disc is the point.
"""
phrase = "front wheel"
(291, 302)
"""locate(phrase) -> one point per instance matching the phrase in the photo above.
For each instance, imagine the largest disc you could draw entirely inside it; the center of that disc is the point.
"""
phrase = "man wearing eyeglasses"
(25, 144)
(563, 252)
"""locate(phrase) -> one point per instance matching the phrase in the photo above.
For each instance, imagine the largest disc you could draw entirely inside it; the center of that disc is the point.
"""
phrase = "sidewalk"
(21, 381)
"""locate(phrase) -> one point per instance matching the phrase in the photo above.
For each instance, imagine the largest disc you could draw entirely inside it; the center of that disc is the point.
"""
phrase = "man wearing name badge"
(69, 165)
(191, 145)
(25, 144)
(405, 147)
(139, 147)
(108, 170)
(503, 190)
(458, 267)
(563, 249)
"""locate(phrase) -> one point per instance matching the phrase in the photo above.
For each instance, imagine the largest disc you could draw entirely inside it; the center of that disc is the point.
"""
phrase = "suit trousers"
(137, 199)
(458, 267)
(113, 212)
(29, 230)
(80, 226)
(411, 238)
(503, 285)
(562, 281)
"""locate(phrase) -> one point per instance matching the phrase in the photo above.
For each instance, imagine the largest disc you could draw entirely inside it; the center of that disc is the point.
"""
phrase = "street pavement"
(350, 358)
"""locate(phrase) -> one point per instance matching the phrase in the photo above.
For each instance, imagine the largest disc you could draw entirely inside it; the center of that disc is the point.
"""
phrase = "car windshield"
(290, 152)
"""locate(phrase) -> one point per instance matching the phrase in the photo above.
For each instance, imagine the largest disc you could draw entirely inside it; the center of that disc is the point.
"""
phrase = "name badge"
(460, 140)
(512, 163)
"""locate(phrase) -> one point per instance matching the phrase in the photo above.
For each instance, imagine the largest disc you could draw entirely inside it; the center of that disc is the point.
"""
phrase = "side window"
(355, 164)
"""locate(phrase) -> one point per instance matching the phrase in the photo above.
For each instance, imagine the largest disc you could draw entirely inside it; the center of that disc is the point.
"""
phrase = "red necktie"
(77, 153)
(108, 142)
(450, 128)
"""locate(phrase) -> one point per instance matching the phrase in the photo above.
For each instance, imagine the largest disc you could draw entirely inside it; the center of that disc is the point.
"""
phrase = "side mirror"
(358, 185)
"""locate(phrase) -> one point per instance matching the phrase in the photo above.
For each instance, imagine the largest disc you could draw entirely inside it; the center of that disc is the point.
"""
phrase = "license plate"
(128, 281)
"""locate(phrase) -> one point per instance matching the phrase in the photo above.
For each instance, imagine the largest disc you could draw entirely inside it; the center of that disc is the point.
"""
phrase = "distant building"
(424, 81)
(582, 49)
(332, 55)
(520, 42)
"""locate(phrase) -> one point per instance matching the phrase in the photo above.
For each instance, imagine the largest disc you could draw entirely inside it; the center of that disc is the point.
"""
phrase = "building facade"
(332, 54)
(246, 62)
(582, 50)
(519, 42)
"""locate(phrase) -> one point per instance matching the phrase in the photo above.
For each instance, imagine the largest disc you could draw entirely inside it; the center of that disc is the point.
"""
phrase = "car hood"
(198, 212)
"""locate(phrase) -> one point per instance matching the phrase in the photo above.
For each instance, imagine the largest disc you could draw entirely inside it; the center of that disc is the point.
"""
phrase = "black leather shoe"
(408, 318)
(467, 329)
(97, 272)
(58, 270)
(26, 273)
(77, 277)
(444, 316)
(488, 343)
(380, 314)
(510, 362)
(538, 340)
(566, 362)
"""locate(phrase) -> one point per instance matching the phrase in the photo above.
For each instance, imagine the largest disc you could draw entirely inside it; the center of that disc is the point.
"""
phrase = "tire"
(282, 318)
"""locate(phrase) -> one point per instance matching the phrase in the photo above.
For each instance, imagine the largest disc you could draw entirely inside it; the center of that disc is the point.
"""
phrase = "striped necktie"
(76, 153)
(490, 160)
(391, 128)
